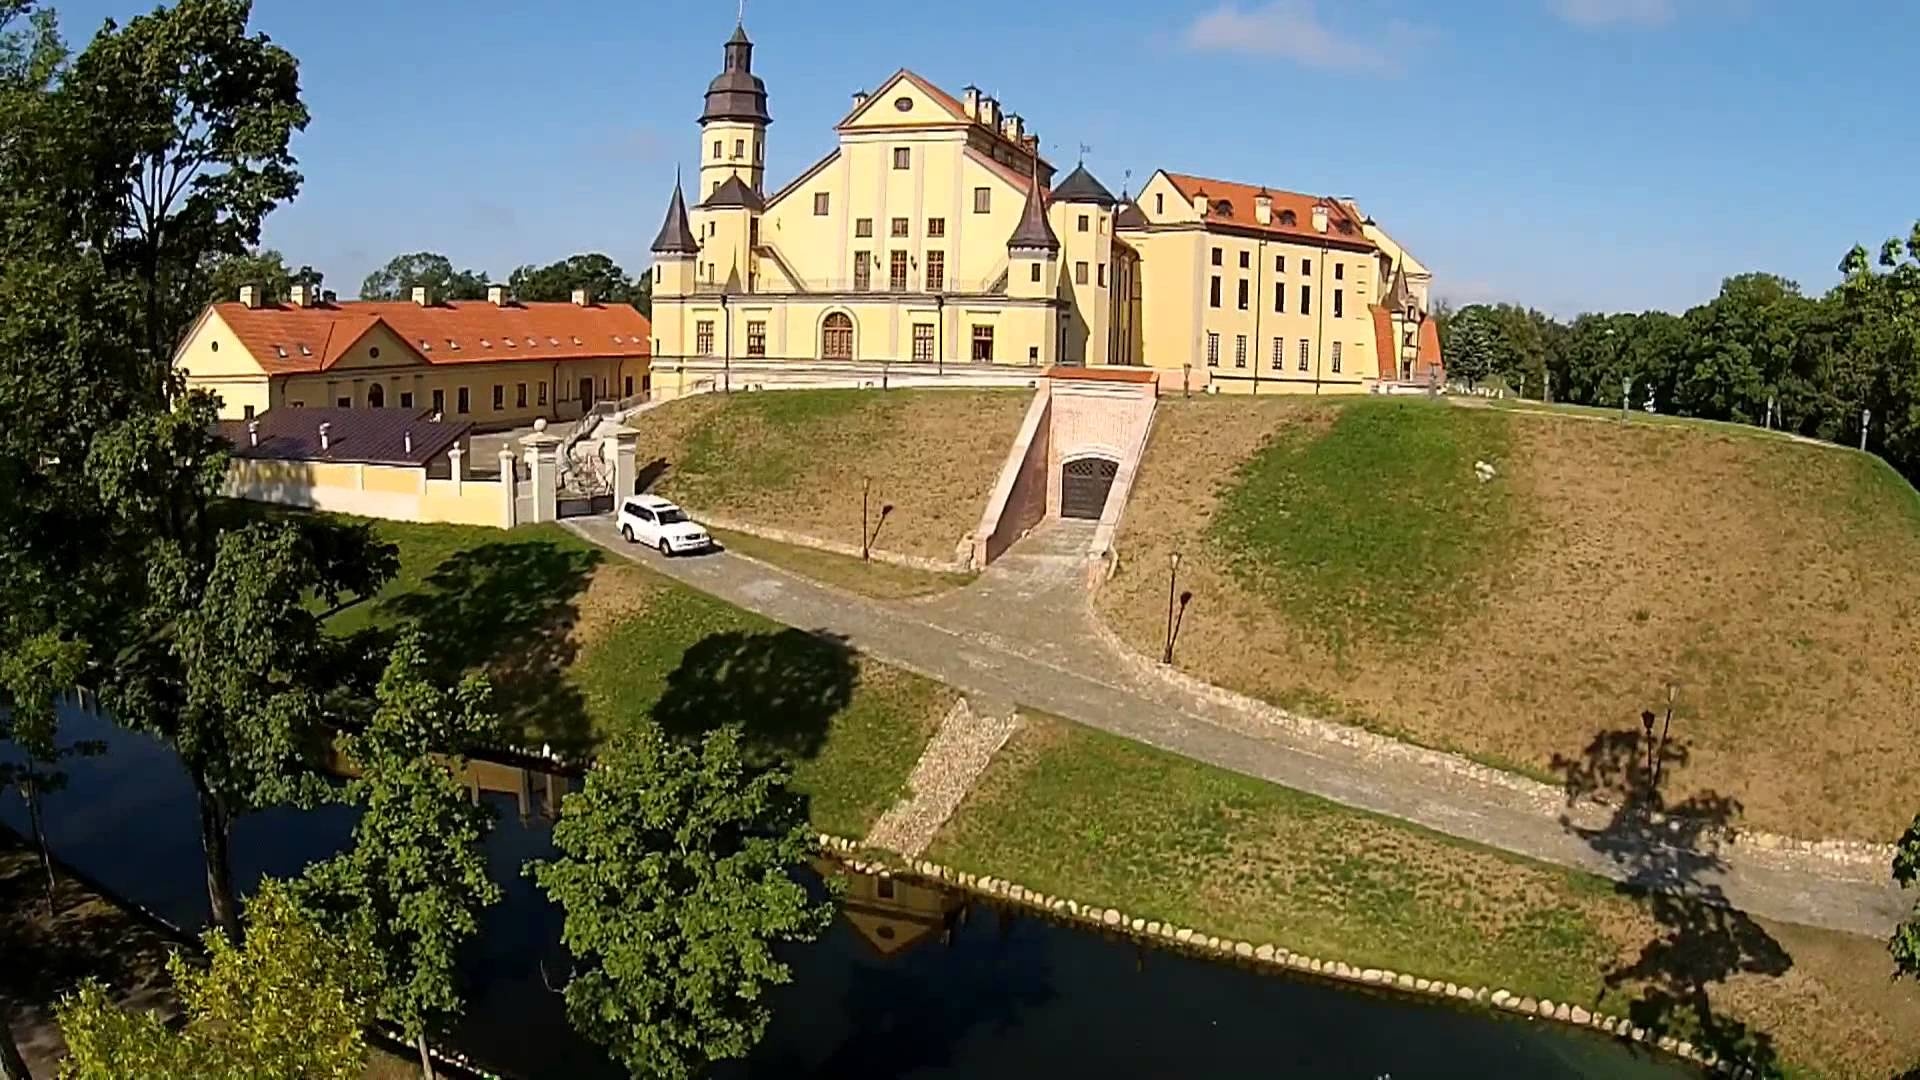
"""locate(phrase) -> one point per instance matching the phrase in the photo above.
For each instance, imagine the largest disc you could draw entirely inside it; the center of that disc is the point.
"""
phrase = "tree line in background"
(599, 275)
(134, 178)
(1761, 352)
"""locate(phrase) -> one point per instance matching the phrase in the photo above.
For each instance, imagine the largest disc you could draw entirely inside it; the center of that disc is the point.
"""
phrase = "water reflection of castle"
(893, 915)
(535, 793)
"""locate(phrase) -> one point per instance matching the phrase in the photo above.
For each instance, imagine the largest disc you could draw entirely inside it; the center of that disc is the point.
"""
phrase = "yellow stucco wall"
(398, 493)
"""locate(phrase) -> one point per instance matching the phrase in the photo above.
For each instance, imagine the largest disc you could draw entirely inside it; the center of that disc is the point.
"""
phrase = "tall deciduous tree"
(264, 267)
(416, 870)
(292, 1002)
(397, 279)
(598, 274)
(676, 876)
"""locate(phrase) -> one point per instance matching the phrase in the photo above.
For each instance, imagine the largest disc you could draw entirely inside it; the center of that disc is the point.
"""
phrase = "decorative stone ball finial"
(540, 425)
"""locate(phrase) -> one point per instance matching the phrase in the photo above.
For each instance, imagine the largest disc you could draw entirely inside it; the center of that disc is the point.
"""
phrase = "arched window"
(1287, 217)
(376, 396)
(836, 337)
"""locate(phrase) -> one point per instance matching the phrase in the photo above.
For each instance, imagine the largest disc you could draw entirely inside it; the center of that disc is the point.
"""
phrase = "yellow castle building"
(933, 237)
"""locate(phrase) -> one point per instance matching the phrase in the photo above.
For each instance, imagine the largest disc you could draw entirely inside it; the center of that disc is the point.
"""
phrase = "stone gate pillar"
(619, 445)
(510, 489)
(543, 471)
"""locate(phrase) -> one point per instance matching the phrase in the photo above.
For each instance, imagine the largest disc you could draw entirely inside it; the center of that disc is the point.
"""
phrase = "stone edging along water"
(1866, 859)
(1166, 935)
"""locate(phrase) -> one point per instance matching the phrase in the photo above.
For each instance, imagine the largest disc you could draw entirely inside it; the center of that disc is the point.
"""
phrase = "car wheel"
(665, 549)
(626, 533)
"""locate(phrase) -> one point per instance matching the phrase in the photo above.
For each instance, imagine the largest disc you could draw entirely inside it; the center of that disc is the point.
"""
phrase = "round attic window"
(213, 346)
(373, 352)
(904, 104)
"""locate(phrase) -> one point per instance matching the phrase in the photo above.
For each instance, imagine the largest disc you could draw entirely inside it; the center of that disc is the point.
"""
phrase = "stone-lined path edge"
(854, 855)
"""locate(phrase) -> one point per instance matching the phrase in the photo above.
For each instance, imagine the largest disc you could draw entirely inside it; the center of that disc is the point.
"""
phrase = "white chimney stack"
(301, 295)
(253, 433)
(1200, 204)
(859, 98)
(250, 296)
(1010, 126)
(971, 98)
(497, 295)
(582, 297)
(989, 112)
(1319, 217)
(406, 441)
(324, 441)
(1263, 207)
(420, 296)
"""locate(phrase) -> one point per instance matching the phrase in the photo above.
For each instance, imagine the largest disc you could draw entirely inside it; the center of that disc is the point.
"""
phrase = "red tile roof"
(285, 339)
(1387, 346)
(1429, 356)
(1383, 343)
(1238, 210)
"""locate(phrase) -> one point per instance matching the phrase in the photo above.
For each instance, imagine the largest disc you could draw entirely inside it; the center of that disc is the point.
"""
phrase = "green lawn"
(577, 641)
(1376, 527)
(1075, 812)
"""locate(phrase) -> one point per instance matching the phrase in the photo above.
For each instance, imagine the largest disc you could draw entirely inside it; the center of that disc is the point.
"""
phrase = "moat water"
(912, 981)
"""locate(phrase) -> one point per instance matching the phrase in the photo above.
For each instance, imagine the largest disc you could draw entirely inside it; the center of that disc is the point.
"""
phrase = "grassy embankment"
(799, 460)
(578, 642)
(1076, 812)
(1345, 561)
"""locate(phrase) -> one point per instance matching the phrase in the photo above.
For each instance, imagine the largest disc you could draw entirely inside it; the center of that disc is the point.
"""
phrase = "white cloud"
(1599, 13)
(1292, 30)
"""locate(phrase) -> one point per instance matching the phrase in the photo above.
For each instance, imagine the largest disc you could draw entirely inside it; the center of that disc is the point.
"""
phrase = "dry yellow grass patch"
(798, 460)
(1777, 584)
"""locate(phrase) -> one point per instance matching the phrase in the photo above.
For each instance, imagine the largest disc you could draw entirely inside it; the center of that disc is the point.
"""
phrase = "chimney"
(328, 296)
(250, 296)
(1010, 126)
(971, 97)
(582, 297)
(859, 98)
(989, 112)
(1200, 203)
(301, 295)
(1319, 217)
(1263, 207)
(253, 433)
(497, 295)
(324, 441)
(406, 441)
(420, 296)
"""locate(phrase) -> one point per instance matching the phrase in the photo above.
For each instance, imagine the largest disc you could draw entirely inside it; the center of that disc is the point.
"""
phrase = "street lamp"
(1626, 394)
(867, 538)
(1175, 615)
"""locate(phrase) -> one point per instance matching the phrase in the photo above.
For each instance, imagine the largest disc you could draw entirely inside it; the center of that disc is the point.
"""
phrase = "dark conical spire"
(1399, 297)
(676, 236)
(1080, 186)
(1033, 232)
(737, 93)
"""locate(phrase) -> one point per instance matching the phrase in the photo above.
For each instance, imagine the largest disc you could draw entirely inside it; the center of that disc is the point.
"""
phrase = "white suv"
(652, 520)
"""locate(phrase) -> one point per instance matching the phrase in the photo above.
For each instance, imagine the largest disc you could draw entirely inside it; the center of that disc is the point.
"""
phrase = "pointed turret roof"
(676, 236)
(734, 192)
(737, 93)
(1080, 186)
(1033, 232)
(1399, 297)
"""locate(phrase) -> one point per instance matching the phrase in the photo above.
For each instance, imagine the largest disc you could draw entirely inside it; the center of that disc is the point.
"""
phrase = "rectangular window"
(703, 337)
(1036, 271)
(1339, 303)
(756, 338)
(936, 271)
(982, 341)
(1243, 294)
(897, 271)
(464, 401)
(1213, 292)
(982, 201)
(1279, 264)
(1279, 298)
(862, 271)
(1213, 349)
(1033, 355)
(1216, 256)
(1080, 273)
(899, 227)
(440, 402)
(499, 397)
(1279, 354)
(902, 157)
(1103, 274)
(923, 341)
(520, 396)
(626, 387)
(739, 148)
(716, 149)
(1306, 267)
(936, 227)
(1306, 353)
(819, 204)
(406, 399)
(542, 389)
(1083, 223)
(344, 403)
(1239, 350)
(1339, 271)
(1244, 256)
(1306, 299)
(1336, 358)
(863, 227)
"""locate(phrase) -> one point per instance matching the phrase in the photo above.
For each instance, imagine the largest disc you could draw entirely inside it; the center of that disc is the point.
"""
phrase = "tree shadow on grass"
(510, 609)
(650, 474)
(783, 688)
(1669, 858)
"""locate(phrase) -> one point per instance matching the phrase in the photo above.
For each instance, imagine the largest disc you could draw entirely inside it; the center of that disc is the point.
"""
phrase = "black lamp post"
(1176, 609)
(867, 538)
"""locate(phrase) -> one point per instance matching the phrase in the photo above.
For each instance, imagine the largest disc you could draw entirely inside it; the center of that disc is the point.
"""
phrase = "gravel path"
(954, 758)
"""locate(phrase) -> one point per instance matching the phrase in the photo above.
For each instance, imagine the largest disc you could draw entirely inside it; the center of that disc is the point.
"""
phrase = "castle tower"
(1033, 250)
(733, 126)
(1083, 213)
(675, 255)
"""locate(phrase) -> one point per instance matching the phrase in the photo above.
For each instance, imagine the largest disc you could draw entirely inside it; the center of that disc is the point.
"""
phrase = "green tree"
(1906, 937)
(597, 273)
(397, 279)
(416, 870)
(33, 675)
(1472, 351)
(264, 267)
(291, 1002)
(676, 877)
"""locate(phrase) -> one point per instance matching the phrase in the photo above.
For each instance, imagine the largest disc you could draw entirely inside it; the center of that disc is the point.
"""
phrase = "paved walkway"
(954, 758)
(1023, 633)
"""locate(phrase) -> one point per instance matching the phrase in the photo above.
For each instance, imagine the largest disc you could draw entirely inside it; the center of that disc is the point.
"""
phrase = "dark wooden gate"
(1084, 485)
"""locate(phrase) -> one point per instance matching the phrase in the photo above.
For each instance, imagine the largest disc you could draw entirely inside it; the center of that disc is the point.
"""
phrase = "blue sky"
(1573, 154)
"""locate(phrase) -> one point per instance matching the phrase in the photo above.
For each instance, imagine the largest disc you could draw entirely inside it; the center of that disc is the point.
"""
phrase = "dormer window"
(1345, 227)
(1223, 208)
(1288, 217)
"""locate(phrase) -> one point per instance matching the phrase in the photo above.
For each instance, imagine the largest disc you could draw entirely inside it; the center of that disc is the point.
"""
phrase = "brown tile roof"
(287, 340)
(1241, 215)
(371, 436)
(1383, 342)
(1429, 355)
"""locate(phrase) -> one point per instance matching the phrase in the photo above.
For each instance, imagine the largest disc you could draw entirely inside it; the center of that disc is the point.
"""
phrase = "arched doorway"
(1084, 484)
(836, 337)
(376, 396)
